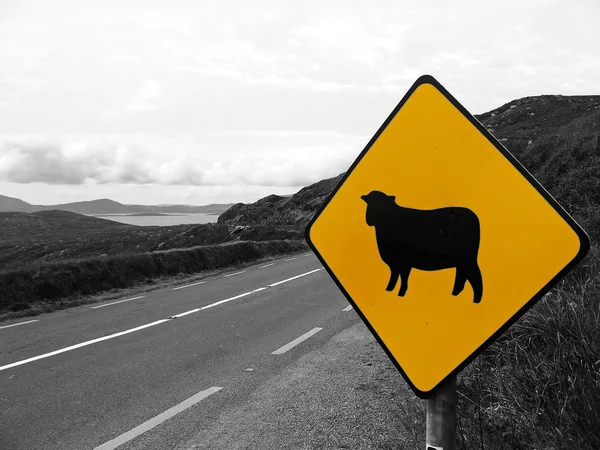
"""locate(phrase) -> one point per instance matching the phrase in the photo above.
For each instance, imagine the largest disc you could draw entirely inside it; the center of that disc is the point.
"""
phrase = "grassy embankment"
(53, 259)
(538, 386)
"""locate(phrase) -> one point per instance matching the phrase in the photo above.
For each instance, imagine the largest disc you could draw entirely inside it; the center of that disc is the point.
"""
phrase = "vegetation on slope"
(282, 212)
(45, 286)
(54, 257)
(50, 236)
(538, 386)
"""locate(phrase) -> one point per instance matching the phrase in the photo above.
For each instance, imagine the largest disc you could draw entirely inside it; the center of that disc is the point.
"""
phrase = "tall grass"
(538, 386)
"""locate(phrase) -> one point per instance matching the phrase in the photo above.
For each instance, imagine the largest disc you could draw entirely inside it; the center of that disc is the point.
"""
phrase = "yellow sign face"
(440, 238)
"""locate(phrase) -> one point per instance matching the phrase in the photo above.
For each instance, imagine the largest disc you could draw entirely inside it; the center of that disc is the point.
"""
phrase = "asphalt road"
(149, 372)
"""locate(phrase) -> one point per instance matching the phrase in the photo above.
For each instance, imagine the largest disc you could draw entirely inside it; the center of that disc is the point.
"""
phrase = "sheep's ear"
(392, 197)
(365, 198)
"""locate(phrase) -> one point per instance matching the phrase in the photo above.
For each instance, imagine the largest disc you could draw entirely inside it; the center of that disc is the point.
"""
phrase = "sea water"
(162, 220)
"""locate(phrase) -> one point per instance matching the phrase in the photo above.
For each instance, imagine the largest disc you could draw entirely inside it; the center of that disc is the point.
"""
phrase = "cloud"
(45, 161)
(143, 100)
(101, 162)
(145, 97)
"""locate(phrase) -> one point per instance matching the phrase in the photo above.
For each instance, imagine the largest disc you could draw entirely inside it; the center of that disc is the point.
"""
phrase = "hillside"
(555, 137)
(288, 212)
(51, 236)
(107, 206)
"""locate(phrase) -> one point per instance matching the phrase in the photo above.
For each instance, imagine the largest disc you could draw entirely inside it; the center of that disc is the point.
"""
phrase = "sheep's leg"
(474, 278)
(404, 274)
(459, 281)
(393, 279)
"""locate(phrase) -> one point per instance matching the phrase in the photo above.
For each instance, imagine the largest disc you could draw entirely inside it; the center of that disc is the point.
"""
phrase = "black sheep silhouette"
(427, 240)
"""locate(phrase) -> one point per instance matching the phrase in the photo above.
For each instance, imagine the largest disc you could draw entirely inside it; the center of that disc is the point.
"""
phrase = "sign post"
(440, 240)
(441, 418)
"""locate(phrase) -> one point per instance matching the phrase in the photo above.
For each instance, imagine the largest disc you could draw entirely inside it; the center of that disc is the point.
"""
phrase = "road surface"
(148, 371)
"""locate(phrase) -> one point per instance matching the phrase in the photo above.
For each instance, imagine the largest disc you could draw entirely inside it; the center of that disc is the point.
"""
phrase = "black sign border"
(583, 237)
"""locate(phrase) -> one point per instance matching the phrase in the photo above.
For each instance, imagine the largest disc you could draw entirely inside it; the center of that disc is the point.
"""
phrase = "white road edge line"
(347, 308)
(188, 285)
(291, 259)
(296, 341)
(20, 323)
(177, 316)
(293, 278)
(158, 322)
(157, 420)
(232, 274)
(114, 303)
(268, 265)
(81, 344)
(220, 302)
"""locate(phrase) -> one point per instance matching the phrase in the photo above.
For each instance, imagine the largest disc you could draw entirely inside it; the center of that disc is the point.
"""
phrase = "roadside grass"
(51, 286)
(538, 386)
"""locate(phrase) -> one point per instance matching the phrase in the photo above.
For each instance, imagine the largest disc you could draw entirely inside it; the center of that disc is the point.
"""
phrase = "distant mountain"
(101, 206)
(107, 206)
(213, 208)
(10, 204)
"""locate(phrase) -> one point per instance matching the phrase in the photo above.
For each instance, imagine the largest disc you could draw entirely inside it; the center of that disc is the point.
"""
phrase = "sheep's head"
(378, 204)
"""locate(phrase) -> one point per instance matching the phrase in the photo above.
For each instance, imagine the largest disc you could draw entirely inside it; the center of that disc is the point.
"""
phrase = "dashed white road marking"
(82, 344)
(347, 308)
(114, 303)
(232, 274)
(20, 323)
(188, 285)
(268, 265)
(296, 341)
(157, 420)
(291, 259)
(148, 325)
(305, 254)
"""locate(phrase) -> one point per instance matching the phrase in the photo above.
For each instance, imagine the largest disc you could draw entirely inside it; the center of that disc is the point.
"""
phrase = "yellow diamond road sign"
(440, 238)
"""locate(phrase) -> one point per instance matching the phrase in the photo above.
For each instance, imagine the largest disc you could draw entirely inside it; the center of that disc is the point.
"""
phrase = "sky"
(198, 102)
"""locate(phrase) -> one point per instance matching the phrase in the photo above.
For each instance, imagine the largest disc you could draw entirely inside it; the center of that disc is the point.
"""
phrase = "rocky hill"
(555, 137)
(287, 212)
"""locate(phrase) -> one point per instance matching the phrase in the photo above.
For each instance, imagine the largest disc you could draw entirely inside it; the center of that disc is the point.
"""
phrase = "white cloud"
(41, 161)
(143, 100)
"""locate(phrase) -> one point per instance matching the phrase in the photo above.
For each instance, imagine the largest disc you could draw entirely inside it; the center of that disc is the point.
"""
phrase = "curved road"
(149, 372)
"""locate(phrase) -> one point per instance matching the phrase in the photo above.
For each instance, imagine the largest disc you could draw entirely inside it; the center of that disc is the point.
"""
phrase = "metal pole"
(441, 418)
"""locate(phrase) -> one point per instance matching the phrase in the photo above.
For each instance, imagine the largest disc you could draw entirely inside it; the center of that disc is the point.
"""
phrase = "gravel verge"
(345, 395)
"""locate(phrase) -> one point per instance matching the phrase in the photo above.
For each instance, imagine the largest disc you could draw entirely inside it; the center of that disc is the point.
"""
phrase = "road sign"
(440, 238)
